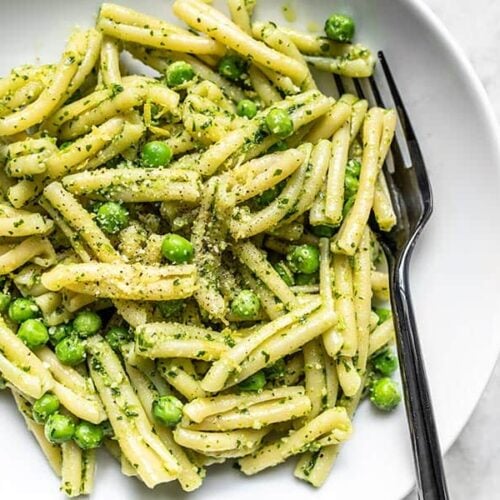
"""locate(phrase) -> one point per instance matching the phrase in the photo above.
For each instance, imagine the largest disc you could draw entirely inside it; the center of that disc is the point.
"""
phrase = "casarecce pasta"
(188, 272)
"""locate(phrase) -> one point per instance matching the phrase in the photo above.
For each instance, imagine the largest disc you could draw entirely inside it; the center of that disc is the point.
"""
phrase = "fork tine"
(387, 95)
(349, 86)
(366, 92)
(339, 84)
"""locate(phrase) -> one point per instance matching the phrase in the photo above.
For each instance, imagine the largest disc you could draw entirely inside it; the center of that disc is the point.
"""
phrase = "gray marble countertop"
(473, 462)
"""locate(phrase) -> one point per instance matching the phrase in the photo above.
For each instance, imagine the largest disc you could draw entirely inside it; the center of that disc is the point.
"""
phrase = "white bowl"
(455, 276)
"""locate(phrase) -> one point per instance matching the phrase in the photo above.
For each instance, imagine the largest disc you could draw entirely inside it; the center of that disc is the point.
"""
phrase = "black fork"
(412, 198)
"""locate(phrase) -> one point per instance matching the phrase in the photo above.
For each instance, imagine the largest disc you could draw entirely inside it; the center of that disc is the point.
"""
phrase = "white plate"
(456, 274)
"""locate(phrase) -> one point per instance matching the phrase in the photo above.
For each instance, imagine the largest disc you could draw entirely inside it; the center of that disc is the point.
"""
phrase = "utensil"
(412, 199)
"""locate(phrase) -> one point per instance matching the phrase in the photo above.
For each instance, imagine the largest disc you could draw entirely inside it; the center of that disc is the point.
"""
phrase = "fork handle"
(431, 482)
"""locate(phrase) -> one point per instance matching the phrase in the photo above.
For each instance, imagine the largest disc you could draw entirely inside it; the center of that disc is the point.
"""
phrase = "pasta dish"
(188, 269)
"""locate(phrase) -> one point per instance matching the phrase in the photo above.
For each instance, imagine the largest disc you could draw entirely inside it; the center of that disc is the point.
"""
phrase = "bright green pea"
(351, 185)
(156, 154)
(246, 108)
(59, 332)
(177, 249)
(383, 314)
(44, 407)
(232, 67)
(385, 394)
(112, 217)
(323, 231)
(87, 323)
(302, 279)
(278, 122)
(353, 168)
(372, 377)
(254, 383)
(348, 205)
(4, 301)
(88, 436)
(386, 362)
(303, 259)
(246, 304)
(22, 309)
(71, 351)
(340, 28)
(59, 428)
(169, 308)
(285, 274)
(33, 333)
(179, 72)
(117, 336)
(167, 410)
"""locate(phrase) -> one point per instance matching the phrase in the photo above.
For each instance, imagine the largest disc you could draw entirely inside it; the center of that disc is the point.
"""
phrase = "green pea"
(302, 279)
(33, 333)
(386, 362)
(177, 249)
(88, 436)
(246, 108)
(246, 304)
(59, 428)
(44, 407)
(372, 377)
(353, 168)
(303, 259)
(71, 351)
(156, 154)
(285, 274)
(22, 309)
(117, 336)
(179, 72)
(4, 302)
(112, 217)
(385, 394)
(351, 185)
(167, 410)
(348, 205)
(323, 231)
(254, 383)
(340, 28)
(87, 323)
(59, 332)
(383, 314)
(278, 122)
(232, 67)
(169, 308)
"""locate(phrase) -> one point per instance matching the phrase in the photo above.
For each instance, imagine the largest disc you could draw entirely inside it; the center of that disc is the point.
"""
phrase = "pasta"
(189, 267)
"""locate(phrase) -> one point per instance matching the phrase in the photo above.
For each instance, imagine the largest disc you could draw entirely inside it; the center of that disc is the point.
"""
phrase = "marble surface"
(473, 463)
